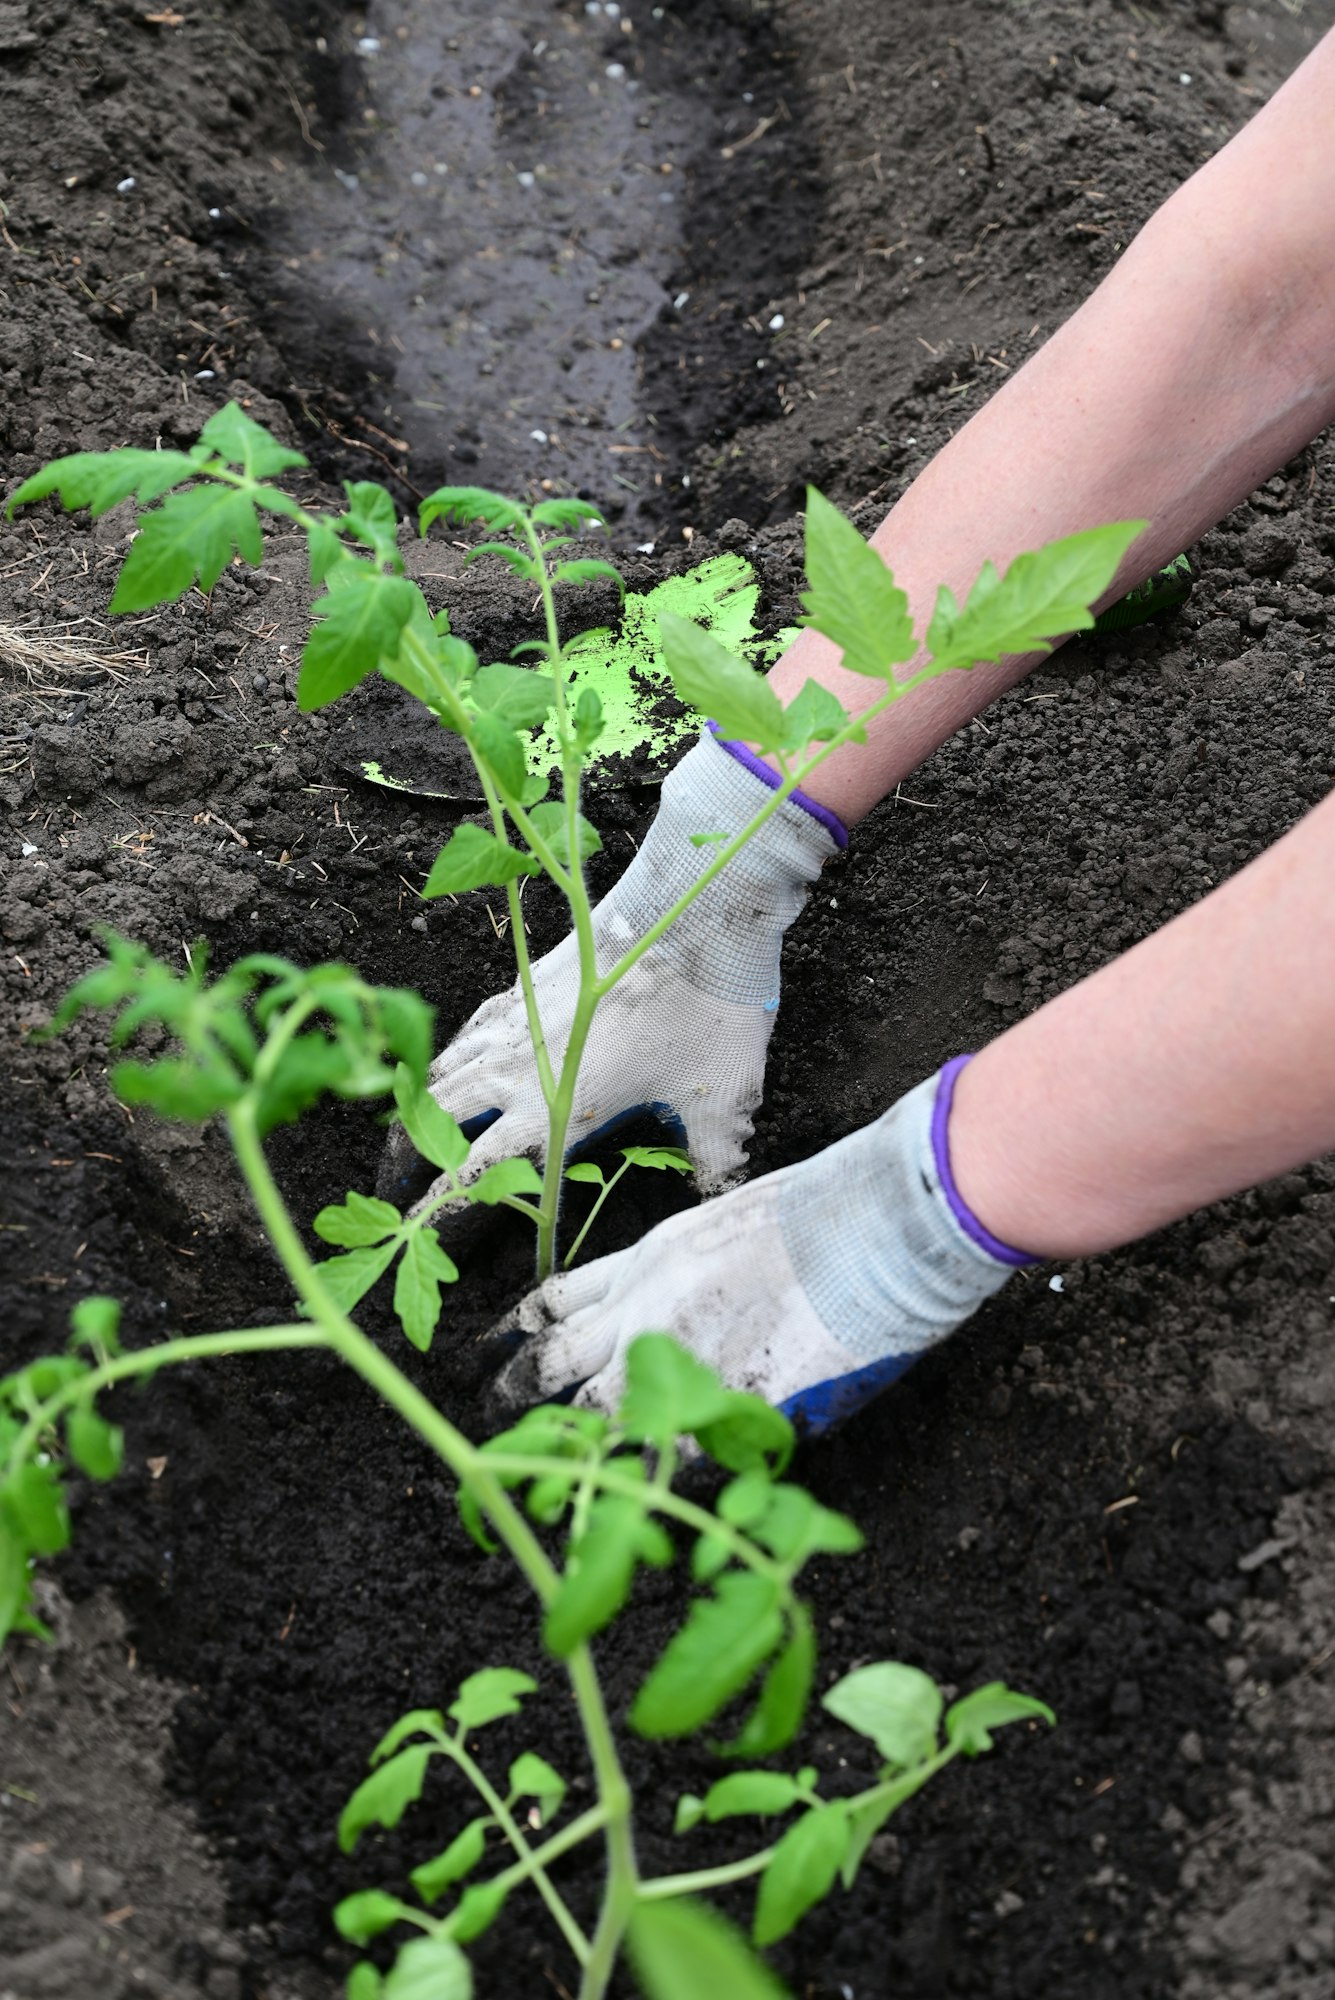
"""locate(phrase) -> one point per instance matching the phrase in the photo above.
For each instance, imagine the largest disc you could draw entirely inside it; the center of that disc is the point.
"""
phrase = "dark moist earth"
(1115, 1489)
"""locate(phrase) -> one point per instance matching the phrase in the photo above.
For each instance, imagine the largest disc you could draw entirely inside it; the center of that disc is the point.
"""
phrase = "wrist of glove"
(814, 1287)
(684, 1035)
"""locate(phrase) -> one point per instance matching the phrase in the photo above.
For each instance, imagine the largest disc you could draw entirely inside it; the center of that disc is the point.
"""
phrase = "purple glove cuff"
(758, 768)
(959, 1208)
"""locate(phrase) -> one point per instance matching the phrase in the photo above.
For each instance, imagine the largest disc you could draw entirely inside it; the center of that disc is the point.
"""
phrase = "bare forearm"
(1203, 362)
(1199, 1063)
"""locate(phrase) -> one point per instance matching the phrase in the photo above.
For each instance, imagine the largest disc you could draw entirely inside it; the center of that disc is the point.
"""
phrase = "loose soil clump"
(1114, 1489)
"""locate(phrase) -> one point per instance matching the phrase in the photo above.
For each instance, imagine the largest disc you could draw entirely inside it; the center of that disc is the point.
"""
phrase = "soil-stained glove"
(684, 1034)
(813, 1287)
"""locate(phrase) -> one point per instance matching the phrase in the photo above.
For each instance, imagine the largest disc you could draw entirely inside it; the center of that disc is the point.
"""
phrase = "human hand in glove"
(684, 1034)
(813, 1287)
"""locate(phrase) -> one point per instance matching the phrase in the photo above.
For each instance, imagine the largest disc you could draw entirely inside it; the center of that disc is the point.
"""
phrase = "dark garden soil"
(1115, 1489)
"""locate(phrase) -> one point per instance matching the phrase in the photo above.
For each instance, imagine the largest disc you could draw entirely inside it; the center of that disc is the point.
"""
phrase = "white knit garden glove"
(813, 1287)
(684, 1034)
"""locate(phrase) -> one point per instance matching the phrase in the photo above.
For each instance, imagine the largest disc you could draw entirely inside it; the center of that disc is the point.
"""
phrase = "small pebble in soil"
(525, 179)
(616, 71)
(419, 924)
(260, 683)
(776, 322)
(368, 45)
(126, 186)
(1056, 1284)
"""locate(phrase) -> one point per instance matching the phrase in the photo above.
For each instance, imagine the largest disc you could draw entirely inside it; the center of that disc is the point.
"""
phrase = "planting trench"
(1115, 1493)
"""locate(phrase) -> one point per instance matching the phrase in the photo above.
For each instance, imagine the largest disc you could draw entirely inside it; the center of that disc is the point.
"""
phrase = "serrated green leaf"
(500, 750)
(359, 1219)
(746, 1499)
(588, 718)
(474, 859)
(898, 1707)
(749, 1433)
(417, 1722)
(349, 1278)
(469, 503)
(471, 1515)
(360, 623)
(794, 1526)
(478, 1910)
(668, 1392)
(429, 1968)
(1044, 595)
(191, 536)
(709, 1554)
(517, 695)
(423, 1269)
(95, 1323)
(784, 1693)
(709, 678)
(34, 1500)
(814, 716)
(430, 1127)
(505, 1178)
(372, 519)
(801, 1872)
(586, 1171)
(460, 1858)
(853, 599)
(15, 1583)
(865, 1820)
(549, 1497)
(663, 1158)
(100, 480)
(516, 560)
(532, 1777)
(384, 1797)
(324, 551)
(96, 1447)
(563, 513)
(585, 570)
(241, 441)
(760, 1792)
(550, 822)
(970, 1721)
(724, 1640)
(488, 1695)
(599, 1572)
(684, 1950)
(363, 1916)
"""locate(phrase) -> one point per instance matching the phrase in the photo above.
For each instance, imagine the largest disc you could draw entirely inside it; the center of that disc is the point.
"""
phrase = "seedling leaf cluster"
(581, 1502)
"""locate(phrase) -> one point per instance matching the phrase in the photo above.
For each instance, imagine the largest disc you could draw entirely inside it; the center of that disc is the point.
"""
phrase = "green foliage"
(265, 1032)
(359, 624)
(38, 1451)
(1041, 598)
(853, 598)
(681, 1949)
(474, 859)
(898, 1707)
(801, 1872)
(266, 1040)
